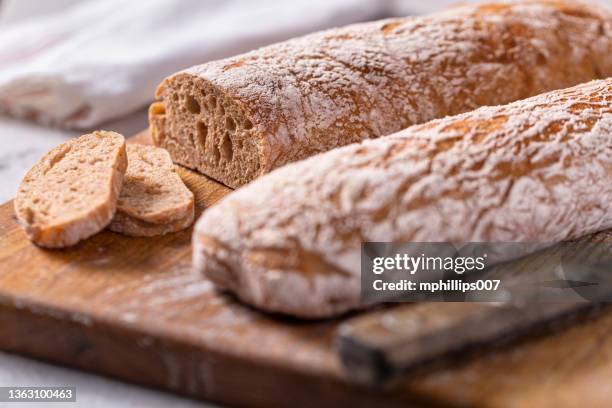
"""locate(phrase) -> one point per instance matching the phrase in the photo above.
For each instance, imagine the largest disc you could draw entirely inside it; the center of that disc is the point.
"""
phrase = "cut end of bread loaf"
(71, 193)
(154, 200)
(205, 130)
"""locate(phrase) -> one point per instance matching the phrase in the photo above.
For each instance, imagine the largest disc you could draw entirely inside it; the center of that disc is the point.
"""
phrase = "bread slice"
(154, 200)
(126, 225)
(536, 171)
(238, 118)
(71, 193)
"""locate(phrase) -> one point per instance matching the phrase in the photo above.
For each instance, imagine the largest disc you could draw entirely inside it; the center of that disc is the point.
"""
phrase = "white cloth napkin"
(76, 64)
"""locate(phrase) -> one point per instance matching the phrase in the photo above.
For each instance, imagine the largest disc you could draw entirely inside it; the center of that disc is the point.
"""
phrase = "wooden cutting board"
(132, 308)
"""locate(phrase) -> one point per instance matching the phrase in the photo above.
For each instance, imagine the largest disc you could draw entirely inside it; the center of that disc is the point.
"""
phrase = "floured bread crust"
(71, 193)
(154, 200)
(238, 118)
(537, 170)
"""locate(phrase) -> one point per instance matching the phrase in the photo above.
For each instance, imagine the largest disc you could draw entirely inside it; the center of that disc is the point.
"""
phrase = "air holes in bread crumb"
(202, 130)
(192, 105)
(248, 124)
(230, 124)
(212, 103)
(216, 155)
(226, 148)
(29, 215)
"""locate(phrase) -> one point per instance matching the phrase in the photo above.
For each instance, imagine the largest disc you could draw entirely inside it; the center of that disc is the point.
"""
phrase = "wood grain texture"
(132, 308)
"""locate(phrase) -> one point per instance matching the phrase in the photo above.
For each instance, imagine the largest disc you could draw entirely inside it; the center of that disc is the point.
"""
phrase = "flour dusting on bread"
(536, 170)
(241, 117)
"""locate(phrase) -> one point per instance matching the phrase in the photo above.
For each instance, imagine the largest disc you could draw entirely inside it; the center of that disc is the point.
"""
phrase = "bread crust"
(130, 226)
(154, 200)
(71, 193)
(536, 170)
(241, 117)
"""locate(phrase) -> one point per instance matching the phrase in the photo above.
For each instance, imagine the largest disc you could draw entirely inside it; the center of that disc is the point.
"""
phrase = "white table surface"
(21, 145)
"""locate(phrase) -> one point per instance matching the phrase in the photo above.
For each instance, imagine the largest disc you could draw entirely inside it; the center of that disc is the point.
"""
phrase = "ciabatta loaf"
(538, 170)
(241, 117)
(71, 193)
(154, 200)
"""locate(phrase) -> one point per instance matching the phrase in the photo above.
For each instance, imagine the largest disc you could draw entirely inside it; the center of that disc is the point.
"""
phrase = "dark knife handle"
(381, 346)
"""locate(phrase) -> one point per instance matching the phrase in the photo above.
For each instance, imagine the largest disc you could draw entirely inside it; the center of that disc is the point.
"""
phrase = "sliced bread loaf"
(154, 200)
(71, 193)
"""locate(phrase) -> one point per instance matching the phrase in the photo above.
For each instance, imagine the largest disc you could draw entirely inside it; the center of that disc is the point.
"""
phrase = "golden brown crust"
(238, 118)
(537, 171)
